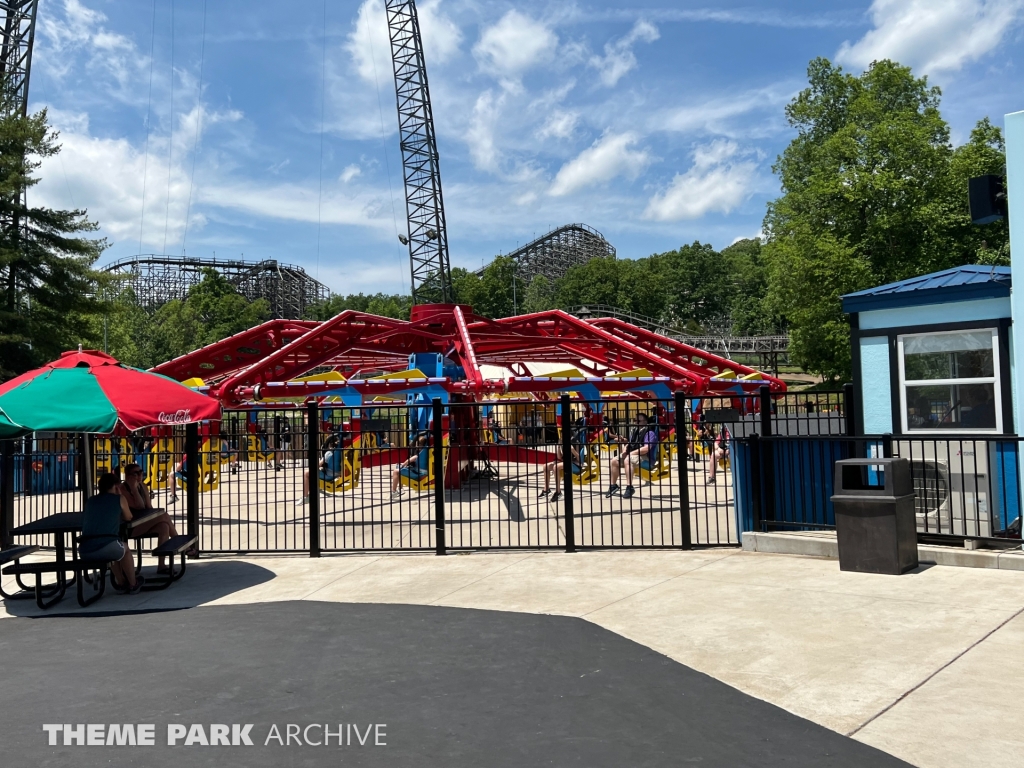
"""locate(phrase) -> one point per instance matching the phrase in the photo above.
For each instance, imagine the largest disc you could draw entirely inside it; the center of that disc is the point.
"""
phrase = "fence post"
(438, 448)
(6, 492)
(766, 411)
(568, 509)
(26, 466)
(767, 469)
(313, 467)
(192, 481)
(85, 468)
(683, 468)
(756, 485)
(849, 410)
(887, 446)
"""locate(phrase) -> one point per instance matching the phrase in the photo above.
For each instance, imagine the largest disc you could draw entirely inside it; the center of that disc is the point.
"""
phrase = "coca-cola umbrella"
(90, 391)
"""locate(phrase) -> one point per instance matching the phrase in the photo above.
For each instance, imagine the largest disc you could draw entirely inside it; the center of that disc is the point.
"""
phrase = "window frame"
(995, 380)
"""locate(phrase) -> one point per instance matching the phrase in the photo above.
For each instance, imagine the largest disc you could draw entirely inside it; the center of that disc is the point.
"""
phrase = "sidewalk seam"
(846, 593)
(948, 664)
(335, 581)
(482, 578)
(652, 586)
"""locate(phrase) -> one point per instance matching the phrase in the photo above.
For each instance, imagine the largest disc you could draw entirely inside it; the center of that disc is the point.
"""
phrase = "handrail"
(709, 343)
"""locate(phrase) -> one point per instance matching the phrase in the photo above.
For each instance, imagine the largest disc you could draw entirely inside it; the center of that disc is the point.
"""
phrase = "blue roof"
(967, 283)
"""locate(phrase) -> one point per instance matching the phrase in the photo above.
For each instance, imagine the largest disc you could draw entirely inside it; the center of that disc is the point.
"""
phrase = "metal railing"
(433, 477)
(966, 486)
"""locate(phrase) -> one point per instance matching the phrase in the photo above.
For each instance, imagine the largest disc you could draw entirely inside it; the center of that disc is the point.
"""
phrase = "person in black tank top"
(101, 540)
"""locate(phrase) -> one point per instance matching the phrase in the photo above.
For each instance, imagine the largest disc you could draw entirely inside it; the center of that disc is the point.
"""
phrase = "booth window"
(950, 381)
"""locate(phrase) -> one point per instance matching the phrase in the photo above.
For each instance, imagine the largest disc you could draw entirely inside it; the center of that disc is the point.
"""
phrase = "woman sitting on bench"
(329, 468)
(414, 468)
(140, 500)
(101, 539)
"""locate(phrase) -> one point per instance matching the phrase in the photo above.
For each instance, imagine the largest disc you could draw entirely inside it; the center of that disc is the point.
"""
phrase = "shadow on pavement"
(203, 582)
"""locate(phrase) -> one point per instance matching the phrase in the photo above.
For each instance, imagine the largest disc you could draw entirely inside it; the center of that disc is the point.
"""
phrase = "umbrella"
(90, 391)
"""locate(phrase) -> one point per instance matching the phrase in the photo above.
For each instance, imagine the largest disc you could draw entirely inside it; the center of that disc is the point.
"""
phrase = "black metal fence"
(966, 486)
(565, 473)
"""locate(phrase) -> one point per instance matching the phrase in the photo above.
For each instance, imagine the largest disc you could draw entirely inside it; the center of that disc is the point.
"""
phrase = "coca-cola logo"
(183, 416)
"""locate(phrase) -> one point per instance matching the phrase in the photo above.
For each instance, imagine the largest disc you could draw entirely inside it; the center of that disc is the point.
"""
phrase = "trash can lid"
(880, 478)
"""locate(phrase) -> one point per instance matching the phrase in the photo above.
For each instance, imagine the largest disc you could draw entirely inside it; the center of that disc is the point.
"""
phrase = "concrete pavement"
(923, 666)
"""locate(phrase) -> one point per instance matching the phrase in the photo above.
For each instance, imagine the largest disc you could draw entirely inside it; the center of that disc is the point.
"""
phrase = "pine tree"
(46, 275)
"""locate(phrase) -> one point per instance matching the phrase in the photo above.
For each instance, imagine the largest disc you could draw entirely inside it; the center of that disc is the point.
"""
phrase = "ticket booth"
(932, 367)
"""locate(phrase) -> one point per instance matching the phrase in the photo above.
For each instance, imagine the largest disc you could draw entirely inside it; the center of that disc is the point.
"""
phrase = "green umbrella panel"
(60, 400)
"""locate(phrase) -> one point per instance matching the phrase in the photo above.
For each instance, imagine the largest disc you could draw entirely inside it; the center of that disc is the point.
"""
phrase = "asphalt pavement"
(403, 685)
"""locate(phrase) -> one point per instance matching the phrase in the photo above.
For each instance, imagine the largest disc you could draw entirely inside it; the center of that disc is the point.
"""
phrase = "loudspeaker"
(988, 199)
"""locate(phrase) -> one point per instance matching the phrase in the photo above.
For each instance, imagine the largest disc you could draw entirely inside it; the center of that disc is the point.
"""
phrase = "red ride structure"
(264, 361)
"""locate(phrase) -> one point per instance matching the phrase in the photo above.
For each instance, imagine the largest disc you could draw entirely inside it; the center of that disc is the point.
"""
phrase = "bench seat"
(48, 595)
(174, 546)
(16, 553)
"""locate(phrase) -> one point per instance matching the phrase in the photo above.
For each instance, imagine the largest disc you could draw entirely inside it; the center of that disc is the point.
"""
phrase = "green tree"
(501, 292)
(498, 292)
(386, 305)
(642, 286)
(872, 192)
(213, 310)
(751, 313)
(49, 301)
(466, 286)
(698, 287)
(593, 282)
(219, 311)
(127, 330)
(984, 153)
(539, 296)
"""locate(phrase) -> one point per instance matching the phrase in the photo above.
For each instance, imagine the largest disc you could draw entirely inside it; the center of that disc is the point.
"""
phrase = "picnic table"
(62, 523)
(56, 525)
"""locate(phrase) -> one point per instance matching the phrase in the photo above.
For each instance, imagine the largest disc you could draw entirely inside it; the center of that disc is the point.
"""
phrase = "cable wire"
(170, 141)
(323, 107)
(149, 111)
(199, 120)
(384, 143)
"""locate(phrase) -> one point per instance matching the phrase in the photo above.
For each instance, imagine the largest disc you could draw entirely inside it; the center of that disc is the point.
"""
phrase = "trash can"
(875, 521)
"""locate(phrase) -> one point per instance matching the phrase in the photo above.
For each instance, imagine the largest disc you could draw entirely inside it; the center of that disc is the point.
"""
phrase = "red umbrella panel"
(90, 391)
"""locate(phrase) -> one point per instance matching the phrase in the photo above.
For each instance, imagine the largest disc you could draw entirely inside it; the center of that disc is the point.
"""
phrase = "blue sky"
(656, 123)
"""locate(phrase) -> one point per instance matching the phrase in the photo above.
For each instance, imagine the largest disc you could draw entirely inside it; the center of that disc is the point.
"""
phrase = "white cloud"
(106, 176)
(618, 57)
(80, 28)
(609, 157)
(716, 116)
(480, 136)
(298, 202)
(350, 172)
(369, 44)
(718, 181)
(932, 35)
(516, 44)
(364, 59)
(561, 124)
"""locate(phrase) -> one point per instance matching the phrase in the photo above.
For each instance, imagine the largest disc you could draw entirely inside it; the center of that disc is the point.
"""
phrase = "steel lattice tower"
(428, 235)
(16, 52)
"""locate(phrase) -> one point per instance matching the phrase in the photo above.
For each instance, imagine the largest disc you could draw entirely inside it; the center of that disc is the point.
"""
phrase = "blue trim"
(978, 310)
